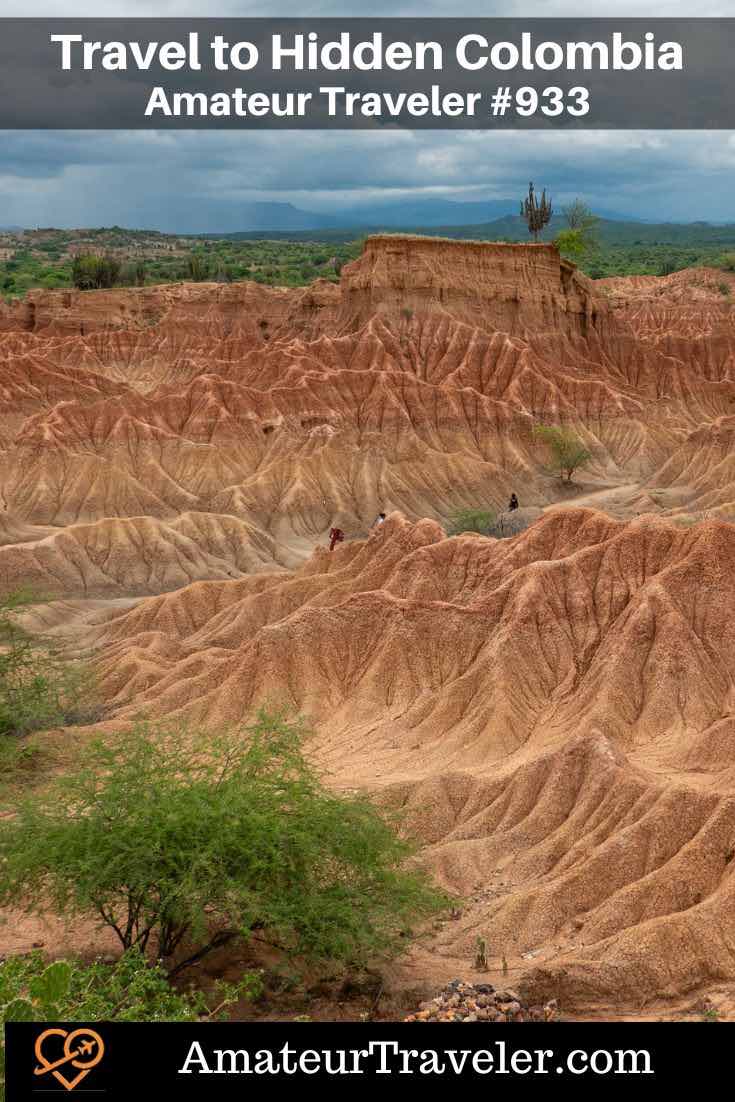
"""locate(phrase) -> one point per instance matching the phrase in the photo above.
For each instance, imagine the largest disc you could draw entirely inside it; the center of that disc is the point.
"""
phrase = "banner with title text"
(67, 73)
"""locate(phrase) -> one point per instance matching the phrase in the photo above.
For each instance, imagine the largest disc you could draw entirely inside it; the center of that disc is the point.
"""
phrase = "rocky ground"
(481, 1002)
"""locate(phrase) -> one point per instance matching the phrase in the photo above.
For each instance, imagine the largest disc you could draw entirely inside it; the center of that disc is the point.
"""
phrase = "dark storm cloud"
(196, 180)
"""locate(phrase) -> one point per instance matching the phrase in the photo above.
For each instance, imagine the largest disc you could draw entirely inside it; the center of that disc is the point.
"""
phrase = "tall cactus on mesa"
(536, 214)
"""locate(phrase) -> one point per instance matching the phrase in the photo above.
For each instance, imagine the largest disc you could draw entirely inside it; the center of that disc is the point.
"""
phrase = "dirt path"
(615, 500)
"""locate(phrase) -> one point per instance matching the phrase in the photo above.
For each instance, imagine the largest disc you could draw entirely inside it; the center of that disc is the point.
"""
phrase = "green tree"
(568, 452)
(581, 221)
(174, 839)
(580, 238)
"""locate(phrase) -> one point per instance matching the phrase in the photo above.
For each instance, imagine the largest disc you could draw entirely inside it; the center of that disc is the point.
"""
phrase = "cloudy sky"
(195, 180)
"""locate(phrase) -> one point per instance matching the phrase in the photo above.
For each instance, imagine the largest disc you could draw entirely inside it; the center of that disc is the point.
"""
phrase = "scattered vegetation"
(471, 520)
(180, 842)
(39, 686)
(127, 990)
(568, 452)
(45, 258)
(19, 761)
(88, 259)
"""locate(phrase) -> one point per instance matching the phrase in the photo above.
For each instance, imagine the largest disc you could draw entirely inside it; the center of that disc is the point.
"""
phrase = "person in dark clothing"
(378, 520)
(513, 503)
(336, 535)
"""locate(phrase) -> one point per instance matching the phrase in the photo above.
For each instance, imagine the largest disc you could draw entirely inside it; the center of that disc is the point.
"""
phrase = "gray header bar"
(366, 73)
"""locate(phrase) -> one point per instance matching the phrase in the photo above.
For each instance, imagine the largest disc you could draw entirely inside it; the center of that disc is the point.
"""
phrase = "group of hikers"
(336, 535)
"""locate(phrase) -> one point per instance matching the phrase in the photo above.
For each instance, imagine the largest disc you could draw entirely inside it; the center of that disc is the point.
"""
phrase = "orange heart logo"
(83, 1049)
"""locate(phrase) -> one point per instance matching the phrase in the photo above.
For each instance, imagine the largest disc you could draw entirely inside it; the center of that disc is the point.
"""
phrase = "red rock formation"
(554, 711)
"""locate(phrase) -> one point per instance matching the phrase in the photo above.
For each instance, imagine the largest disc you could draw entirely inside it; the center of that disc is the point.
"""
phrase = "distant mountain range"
(510, 227)
(399, 214)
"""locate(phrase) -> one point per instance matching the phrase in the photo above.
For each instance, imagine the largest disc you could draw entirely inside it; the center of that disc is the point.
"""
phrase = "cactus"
(481, 955)
(536, 214)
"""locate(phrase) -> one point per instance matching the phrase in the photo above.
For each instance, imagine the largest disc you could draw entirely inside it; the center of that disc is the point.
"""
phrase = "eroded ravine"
(555, 712)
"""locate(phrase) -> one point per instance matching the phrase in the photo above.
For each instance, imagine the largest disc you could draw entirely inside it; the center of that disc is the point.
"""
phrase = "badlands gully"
(554, 713)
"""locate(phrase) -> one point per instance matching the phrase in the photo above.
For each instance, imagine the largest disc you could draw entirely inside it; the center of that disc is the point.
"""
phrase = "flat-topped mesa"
(519, 289)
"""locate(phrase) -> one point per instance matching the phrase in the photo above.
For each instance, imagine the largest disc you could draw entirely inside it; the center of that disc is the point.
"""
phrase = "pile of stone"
(481, 1002)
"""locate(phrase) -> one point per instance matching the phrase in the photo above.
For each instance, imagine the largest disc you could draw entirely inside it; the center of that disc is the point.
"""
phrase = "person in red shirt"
(336, 535)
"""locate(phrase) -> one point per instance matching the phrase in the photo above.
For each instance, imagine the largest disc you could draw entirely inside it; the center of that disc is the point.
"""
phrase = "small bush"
(171, 839)
(39, 686)
(128, 990)
(571, 244)
(724, 289)
(727, 262)
(471, 520)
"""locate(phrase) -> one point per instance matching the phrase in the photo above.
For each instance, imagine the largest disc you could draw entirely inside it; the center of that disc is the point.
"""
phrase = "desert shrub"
(567, 451)
(39, 686)
(171, 838)
(727, 262)
(724, 288)
(471, 520)
(126, 990)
